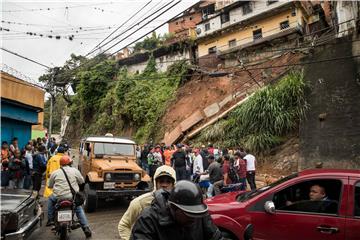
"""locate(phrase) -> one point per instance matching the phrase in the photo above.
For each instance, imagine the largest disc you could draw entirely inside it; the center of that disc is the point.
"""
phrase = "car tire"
(91, 200)
(228, 236)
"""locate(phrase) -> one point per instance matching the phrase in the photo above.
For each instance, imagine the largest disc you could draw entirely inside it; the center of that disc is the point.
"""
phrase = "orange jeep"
(108, 165)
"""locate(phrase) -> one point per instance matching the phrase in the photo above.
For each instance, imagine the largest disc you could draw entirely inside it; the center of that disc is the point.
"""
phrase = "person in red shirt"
(226, 180)
(240, 166)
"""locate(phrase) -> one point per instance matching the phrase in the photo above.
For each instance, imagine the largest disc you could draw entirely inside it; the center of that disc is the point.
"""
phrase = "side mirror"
(269, 207)
(248, 233)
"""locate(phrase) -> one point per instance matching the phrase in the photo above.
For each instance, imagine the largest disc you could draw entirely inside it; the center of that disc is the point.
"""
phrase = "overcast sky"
(88, 21)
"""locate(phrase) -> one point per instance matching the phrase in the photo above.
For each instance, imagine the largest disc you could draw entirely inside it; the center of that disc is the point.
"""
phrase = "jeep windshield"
(247, 195)
(113, 149)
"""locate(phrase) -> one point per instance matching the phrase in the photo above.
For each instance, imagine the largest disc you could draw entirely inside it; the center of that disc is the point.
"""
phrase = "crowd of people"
(175, 209)
(24, 167)
(214, 166)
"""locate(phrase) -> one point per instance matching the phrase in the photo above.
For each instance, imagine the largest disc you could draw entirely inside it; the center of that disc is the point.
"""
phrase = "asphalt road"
(103, 222)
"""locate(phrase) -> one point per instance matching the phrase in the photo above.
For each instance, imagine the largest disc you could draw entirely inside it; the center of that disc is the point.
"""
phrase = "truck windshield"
(247, 195)
(113, 149)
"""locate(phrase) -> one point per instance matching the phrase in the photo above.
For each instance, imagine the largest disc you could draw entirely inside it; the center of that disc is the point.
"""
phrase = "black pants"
(36, 179)
(250, 177)
(181, 173)
(152, 169)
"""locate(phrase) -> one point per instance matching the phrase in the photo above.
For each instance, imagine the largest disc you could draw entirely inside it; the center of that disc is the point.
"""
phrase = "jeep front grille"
(117, 177)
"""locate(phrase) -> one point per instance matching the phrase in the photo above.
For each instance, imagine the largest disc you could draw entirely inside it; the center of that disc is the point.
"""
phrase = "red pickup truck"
(287, 209)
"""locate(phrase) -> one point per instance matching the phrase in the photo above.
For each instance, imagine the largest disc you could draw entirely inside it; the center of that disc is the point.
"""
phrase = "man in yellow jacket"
(164, 178)
(52, 165)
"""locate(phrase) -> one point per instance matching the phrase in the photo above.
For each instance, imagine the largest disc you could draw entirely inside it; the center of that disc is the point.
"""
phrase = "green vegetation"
(264, 119)
(109, 99)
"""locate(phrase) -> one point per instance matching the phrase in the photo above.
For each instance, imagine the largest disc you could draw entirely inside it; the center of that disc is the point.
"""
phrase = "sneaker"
(87, 232)
(50, 223)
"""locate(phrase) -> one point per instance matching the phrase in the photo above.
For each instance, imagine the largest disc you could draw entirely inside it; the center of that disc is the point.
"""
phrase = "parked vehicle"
(21, 214)
(108, 165)
(283, 209)
(64, 218)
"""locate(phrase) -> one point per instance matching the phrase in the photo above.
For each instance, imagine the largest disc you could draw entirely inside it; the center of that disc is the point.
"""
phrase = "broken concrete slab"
(192, 120)
(227, 99)
(212, 110)
(174, 135)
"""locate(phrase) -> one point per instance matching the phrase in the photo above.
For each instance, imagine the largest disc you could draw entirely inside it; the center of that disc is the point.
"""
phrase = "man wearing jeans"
(250, 170)
(61, 190)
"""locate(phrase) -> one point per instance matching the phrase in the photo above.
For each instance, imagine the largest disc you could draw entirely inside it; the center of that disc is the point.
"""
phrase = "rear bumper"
(27, 229)
(120, 192)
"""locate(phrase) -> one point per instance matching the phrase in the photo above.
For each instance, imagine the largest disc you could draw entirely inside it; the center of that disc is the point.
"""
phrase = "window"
(257, 34)
(232, 43)
(284, 25)
(113, 149)
(293, 13)
(225, 17)
(207, 27)
(316, 196)
(357, 200)
(212, 50)
(247, 8)
(271, 2)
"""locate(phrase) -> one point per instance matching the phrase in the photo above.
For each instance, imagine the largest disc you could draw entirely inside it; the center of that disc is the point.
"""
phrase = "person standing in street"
(215, 175)
(52, 165)
(178, 215)
(39, 167)
(226, 179)
(179, 163)
(5, 156)
(29, 166)
(198, 162)
(164, 178)
(240, 166)
(250, 170)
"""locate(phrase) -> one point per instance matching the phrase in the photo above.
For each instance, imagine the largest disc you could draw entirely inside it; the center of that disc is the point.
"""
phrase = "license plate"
(64, 216)
(109, 185)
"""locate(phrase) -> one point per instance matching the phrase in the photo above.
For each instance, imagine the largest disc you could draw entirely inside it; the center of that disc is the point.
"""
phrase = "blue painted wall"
(19, 113)
(11, 128)
(16, 121)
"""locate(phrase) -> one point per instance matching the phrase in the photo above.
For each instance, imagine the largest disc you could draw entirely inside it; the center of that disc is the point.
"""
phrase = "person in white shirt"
(250, 170)
(61, 190)
(198, 162)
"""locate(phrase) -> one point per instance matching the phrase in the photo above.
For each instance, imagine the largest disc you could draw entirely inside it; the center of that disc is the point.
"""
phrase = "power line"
(139, 27)
(55, 8)
(120, 26)
(26, 58)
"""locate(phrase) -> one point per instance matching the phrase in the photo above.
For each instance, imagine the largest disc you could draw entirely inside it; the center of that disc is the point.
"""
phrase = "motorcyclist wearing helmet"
(164, 178)
(62, 191)
(179, 215)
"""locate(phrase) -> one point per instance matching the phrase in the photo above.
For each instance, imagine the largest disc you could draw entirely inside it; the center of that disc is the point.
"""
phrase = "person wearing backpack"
(226, 179)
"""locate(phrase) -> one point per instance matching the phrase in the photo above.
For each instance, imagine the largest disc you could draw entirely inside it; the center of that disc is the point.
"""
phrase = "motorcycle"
(64, 218)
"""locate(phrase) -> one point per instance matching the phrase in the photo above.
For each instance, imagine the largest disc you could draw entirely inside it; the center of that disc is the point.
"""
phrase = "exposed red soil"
(202, 91)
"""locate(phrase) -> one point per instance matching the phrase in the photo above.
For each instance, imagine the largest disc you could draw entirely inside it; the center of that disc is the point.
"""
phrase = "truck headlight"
(108, 177)
(137, 176)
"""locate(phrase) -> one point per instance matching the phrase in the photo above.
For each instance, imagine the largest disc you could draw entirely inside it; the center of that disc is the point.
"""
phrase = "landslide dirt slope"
(202, 91)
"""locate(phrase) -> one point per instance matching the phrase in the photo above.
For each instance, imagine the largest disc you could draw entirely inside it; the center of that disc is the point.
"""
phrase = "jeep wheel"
(90, 203)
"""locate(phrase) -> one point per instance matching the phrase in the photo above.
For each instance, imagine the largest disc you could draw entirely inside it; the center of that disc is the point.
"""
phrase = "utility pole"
(52, 98)
(50, 120)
